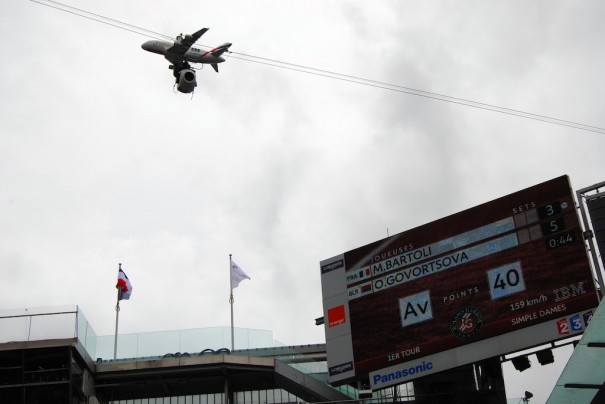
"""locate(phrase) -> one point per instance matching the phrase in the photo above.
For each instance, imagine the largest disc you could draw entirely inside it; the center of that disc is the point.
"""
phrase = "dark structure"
(477, 383)
(43, 372)
(60, 371)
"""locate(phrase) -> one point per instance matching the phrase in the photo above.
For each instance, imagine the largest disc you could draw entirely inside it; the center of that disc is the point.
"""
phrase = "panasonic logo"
(399, 374)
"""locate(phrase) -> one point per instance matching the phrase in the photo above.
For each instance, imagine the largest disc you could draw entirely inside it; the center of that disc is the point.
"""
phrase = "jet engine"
(186, 82)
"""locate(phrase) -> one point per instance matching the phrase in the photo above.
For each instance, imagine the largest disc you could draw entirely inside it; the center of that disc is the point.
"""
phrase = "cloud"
(101, 163)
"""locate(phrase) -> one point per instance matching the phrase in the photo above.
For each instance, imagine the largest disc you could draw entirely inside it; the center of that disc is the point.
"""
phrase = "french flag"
(124, 286)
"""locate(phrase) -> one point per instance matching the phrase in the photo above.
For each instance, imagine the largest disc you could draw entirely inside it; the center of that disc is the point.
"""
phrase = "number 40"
(505, 280)
(511, 279)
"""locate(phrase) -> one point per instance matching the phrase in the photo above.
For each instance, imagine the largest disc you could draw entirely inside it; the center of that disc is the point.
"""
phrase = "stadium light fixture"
(521, 363)
(545, 356)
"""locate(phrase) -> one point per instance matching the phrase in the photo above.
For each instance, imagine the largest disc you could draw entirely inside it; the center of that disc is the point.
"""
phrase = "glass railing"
(66, 322)
(47, 323)
(180, 342)
(86, 335)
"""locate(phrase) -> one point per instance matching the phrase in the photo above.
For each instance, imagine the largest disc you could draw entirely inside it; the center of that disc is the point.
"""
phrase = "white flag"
(237, 275)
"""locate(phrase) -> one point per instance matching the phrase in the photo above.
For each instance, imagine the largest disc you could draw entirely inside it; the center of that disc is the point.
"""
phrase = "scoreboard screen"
(497, 278)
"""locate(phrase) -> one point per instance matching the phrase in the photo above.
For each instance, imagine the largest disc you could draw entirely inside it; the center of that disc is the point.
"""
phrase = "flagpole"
(115, 343)
(231, 301)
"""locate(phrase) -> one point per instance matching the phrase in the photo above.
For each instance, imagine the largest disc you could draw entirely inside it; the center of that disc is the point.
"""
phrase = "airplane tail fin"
(214, 66)
(219, 50)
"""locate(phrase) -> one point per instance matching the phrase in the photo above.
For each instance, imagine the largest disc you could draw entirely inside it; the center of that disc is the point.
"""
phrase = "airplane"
(181, 52)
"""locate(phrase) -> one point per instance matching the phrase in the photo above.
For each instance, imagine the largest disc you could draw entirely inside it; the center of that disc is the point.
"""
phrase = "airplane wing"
(180, 48)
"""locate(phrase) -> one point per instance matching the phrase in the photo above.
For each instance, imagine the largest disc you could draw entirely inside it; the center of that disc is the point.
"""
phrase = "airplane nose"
(154, 46)
(148, 46)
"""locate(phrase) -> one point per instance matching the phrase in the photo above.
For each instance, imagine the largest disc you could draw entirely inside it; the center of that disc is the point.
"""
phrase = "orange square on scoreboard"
(336, 316)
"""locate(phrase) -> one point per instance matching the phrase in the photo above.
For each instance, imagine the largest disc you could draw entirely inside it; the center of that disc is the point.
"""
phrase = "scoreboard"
(497, 278)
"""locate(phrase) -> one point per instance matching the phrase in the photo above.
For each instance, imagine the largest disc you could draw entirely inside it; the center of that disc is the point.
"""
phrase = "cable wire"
(110, 19)
(99, 18)
(329, 74)
(434, 96)
(408, 90)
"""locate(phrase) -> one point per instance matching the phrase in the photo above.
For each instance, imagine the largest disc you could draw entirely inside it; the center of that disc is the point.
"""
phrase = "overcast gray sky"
(101, 163)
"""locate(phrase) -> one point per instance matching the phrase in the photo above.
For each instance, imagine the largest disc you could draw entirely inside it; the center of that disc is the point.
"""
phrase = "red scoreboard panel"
(503, 276)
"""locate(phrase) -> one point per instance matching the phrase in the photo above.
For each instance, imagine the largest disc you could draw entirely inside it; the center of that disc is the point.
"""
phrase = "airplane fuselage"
(194, 54)
(182, 51)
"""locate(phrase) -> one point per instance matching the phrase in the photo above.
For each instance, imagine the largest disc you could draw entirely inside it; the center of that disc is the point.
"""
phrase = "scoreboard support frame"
(589, 236)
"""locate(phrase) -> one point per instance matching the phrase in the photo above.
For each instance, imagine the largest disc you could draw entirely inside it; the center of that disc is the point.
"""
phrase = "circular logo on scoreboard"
(466, 323)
